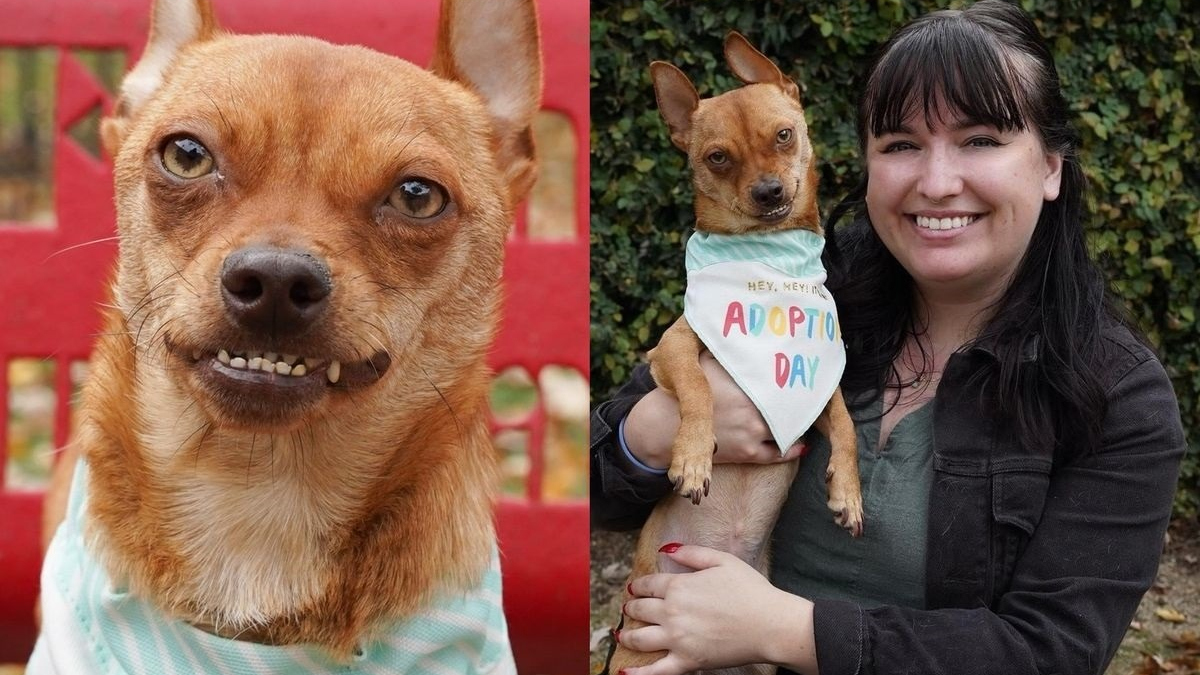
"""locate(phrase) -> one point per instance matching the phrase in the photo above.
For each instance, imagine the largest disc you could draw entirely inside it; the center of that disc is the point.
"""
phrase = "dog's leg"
(675, 365)
(845, 491)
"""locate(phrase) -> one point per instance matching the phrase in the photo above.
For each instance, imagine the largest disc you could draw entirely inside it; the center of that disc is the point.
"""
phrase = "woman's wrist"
(649, 429)
(791, 642)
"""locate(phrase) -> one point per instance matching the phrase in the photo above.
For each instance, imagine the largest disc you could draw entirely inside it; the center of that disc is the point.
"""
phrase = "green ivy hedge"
(1132, 70)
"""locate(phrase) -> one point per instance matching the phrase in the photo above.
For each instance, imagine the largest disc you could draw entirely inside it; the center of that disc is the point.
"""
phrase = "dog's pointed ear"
(174, 24)
(677, 101)
(752, 67)
(492, 47)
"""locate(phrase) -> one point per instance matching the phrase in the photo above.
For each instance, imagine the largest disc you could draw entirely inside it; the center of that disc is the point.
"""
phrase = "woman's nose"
(940, 178)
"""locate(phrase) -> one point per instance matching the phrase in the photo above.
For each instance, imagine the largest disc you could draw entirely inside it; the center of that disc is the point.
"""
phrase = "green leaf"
(644, 164)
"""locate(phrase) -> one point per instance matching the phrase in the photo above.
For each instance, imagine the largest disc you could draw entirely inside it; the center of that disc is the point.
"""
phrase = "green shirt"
(814, 558)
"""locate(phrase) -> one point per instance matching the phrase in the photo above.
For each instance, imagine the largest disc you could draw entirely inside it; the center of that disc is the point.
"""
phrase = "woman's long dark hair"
(987, 63)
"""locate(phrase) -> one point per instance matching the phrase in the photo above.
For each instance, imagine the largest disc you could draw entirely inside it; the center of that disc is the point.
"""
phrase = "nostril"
(246, 288)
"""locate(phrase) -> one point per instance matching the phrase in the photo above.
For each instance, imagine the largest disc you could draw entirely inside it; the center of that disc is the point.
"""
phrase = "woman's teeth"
(282, 364)
(944, 223)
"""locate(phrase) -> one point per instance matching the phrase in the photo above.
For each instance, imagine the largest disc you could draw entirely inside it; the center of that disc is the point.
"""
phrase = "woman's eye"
(717, 158)
(418, 198)
(784, 136)
(983, 142)
(185, 157)
(897, 146)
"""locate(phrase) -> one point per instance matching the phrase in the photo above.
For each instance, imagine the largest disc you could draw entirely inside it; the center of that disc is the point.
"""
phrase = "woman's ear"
(1052, 182)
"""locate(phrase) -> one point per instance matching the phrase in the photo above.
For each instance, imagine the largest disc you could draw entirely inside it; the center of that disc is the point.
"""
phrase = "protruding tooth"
(313, 364)
(196, 354)
(223, 357)
(334, 372)
(237, 362)
(290, 359)
(271, 356)
(254, 362)
(266, 366)
(299, 370)
(283, 368)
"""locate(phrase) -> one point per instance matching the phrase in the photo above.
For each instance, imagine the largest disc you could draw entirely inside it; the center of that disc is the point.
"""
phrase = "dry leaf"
(1168, 614)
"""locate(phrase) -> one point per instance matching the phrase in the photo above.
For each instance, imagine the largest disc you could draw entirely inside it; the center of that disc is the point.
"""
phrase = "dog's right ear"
(752, 67)
(677, 101)
(173, 25)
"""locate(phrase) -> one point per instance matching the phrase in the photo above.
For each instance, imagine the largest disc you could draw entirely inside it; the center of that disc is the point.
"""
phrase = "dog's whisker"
(80, 245)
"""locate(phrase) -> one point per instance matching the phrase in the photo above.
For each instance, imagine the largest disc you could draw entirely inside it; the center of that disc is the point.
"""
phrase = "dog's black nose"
(767, 192)
(274, 291)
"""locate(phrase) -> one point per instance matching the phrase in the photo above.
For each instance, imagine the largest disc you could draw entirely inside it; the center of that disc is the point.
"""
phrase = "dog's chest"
(258, 552)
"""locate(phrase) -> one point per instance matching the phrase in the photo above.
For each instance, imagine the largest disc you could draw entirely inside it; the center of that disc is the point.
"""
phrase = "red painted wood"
(52, 279)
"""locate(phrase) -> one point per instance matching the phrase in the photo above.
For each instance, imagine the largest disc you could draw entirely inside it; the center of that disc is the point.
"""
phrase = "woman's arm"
(629, 477)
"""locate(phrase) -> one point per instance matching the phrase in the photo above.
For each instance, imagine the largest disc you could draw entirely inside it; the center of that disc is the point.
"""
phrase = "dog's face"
(302, 222)
(752, 161)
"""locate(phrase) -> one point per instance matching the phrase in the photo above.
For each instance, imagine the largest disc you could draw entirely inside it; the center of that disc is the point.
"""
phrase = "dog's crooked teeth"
(299, 370)
(254, 363)
(223, 357)
(271, 356)
(334, 372)
(313, 364)
(237, 362)
(290, 359)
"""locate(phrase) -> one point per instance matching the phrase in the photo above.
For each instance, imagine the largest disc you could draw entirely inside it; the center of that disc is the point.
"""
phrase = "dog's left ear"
(492, 47)
(752, 67)
(174, 24)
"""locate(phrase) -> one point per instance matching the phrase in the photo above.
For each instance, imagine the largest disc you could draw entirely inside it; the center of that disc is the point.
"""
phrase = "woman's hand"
(723, 614)
(741, 432)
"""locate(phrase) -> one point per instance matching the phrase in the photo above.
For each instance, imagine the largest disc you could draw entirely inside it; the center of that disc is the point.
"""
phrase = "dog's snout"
(767, 192)
(274, 291)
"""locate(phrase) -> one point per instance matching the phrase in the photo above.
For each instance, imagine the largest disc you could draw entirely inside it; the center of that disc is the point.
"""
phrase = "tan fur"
(733, 507)
(320, 524)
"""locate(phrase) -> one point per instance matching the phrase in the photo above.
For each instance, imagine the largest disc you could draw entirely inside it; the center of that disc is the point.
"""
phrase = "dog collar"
(759, 304)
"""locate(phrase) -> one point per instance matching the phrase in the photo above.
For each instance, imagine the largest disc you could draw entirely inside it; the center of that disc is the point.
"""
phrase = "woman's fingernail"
(621, 672)
(803, 449)
(629, 587)
(670, 548)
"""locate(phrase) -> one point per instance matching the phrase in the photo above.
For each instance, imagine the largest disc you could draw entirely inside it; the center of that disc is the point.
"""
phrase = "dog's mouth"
(264, 386)
(776, 214)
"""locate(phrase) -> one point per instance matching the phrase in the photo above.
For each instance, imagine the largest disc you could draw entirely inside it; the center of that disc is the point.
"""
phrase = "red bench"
(51, 279)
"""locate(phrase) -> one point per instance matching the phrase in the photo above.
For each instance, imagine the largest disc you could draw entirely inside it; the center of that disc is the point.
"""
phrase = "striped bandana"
(759, 304)
(88, 627)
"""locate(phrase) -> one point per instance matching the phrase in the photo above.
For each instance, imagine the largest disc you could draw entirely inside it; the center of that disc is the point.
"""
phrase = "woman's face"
(956, 204)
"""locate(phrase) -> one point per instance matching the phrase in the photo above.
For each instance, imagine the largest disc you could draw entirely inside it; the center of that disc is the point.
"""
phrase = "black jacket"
(1034, 565)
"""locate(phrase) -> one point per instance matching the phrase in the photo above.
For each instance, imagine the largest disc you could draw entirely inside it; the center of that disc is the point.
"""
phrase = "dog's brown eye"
(784, 135)
(717, 158)
(185, 157)
(418, 198)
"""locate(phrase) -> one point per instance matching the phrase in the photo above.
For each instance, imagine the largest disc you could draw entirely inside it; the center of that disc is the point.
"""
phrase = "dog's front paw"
(845, 500)
(691, 468)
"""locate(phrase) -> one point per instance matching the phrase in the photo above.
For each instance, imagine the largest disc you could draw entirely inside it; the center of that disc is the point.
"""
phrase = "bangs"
(945, 59)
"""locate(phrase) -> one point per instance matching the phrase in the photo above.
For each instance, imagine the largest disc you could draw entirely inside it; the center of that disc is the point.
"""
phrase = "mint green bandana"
(759, 304)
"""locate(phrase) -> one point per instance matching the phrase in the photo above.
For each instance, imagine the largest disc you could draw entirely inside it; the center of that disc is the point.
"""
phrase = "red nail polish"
(617, 636)
(621, 672)
(670, 548)
(629, 587)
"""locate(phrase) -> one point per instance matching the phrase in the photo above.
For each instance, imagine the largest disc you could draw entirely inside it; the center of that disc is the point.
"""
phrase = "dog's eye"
(418, 198)
(717, 158)
(185, 157)
(784, 135)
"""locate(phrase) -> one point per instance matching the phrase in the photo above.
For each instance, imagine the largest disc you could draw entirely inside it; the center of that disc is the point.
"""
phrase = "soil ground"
(1163, 638)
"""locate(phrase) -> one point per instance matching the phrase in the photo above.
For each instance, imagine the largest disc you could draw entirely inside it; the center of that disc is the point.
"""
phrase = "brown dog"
(754, 172)
(285, 430)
